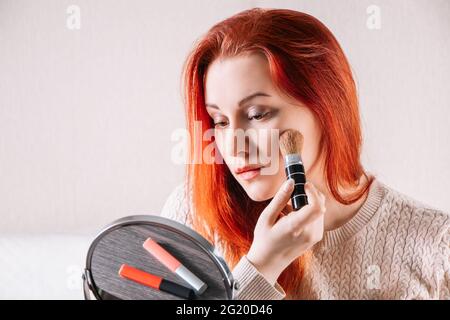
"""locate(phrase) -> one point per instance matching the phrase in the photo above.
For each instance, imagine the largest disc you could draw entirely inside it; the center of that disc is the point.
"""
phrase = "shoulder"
(429, 225)
(177, 205)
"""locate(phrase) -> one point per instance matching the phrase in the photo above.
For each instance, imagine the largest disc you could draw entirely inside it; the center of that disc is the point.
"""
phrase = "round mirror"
(122, 243)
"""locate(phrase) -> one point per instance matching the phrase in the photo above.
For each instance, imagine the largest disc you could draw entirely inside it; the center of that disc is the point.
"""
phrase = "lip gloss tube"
(174, 265)
(155, 282)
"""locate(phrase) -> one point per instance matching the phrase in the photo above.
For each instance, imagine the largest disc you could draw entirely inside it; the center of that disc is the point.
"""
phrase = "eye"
(219, 124)
(258, 116)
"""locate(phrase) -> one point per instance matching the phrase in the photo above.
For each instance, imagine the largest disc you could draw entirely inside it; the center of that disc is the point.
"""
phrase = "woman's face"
(240, 94)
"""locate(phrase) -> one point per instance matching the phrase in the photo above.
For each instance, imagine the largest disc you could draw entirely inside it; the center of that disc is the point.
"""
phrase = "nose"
(242, 145)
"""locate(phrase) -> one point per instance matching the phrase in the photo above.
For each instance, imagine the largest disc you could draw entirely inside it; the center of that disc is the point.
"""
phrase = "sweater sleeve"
(442, 263)
(250, 284)
(176, 206)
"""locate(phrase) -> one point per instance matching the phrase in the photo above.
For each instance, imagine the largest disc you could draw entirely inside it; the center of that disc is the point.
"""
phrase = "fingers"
(272, 211)
(317, 197)
(287, 208)
(297, 220)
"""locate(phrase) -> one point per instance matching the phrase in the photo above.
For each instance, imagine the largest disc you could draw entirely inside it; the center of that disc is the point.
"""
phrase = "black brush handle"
(296, 171)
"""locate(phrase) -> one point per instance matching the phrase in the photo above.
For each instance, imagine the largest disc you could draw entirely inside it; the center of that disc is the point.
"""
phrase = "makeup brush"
(291, 143)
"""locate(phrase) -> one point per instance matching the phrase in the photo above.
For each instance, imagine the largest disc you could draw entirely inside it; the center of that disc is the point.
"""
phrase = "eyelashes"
(256, 117)
(259, 116)
(218, 124)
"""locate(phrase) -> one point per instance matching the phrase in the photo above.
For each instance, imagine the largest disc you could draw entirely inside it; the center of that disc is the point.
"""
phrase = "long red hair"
(307, 63)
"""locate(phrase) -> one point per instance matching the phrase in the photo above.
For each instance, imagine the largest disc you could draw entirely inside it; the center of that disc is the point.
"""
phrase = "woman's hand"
(278, 238)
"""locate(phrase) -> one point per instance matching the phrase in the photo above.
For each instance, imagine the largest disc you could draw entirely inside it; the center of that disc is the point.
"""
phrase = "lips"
(247, 168)
(248, 172)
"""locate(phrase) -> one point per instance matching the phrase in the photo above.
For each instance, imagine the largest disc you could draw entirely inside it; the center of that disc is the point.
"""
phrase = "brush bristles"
(291, 141)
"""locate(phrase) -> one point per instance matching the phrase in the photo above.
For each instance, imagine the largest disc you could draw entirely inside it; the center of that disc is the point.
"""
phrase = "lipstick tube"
(294, 169)
(174, 265)
(155, 282)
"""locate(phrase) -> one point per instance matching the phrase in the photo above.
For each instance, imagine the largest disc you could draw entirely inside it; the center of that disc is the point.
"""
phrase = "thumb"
(277, 204)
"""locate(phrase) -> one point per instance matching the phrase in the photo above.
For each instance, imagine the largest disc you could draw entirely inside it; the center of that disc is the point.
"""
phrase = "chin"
(258, 190)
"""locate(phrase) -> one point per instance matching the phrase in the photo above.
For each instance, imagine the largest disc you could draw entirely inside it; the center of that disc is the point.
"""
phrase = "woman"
(357, 238)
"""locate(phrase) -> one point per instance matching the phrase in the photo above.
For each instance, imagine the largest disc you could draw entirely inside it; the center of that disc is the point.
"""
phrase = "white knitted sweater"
(393, 248)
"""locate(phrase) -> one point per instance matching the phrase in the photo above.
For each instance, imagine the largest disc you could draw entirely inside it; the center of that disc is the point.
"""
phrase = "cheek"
(311, 151)
(219, 143)
(221, 146)
(303, 120)
(267, 146)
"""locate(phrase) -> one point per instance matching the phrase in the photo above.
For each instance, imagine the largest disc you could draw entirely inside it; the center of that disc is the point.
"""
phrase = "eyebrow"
(243, 101)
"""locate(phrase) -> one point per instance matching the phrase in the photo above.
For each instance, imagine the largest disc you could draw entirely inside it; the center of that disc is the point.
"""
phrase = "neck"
(337, 214)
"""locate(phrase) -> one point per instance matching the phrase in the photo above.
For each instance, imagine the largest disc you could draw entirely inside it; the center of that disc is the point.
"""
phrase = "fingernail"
(288, 184)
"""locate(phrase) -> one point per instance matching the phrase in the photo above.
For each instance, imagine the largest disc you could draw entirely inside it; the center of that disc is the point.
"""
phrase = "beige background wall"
(86, 115)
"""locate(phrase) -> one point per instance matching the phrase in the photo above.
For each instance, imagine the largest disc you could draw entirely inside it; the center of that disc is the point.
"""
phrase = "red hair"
(307, 63)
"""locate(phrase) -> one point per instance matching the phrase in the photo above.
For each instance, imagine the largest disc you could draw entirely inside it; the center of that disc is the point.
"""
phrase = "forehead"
(229, 79)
